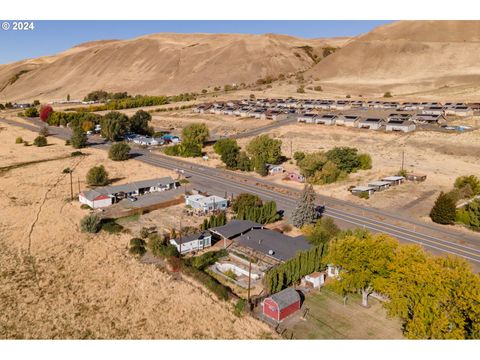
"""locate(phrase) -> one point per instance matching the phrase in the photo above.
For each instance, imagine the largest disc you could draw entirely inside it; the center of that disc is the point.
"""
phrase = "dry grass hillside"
(408, 57)
(160, 64)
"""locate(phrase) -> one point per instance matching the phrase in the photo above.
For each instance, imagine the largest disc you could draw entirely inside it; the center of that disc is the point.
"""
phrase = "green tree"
(311, 163)
(195, 133)
(443, 211)
(298, 156)
(229, 151)
(97, 176)
(139, 123)
(365, 161)
(114, 126)
(32, 112)
(270, 150)
(346, 158)
(40, 141)
(305, 212)
(90, 223)
(79, 138)
(245, 200)
(364, 262)
(471, 181)
(243, 162)
(260, 166)
(322, 232)
(329, 174)
(119, 152)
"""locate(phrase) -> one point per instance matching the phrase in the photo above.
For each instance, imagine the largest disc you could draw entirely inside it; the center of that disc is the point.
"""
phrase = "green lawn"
(329, 318)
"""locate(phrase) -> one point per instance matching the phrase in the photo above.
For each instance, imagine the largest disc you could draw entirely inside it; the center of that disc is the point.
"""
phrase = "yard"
(328, 318)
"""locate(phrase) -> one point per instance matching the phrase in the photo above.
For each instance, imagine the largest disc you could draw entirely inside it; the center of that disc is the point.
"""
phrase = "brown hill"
(159, 64)
(407, 56)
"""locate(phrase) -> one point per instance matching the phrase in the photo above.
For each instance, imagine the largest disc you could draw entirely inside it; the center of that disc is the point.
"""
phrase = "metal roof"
(285, 298)
(235, 228)
(131, 187)
(273, 243)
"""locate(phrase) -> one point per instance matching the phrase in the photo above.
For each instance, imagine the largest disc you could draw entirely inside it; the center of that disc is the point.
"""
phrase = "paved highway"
(433, 237)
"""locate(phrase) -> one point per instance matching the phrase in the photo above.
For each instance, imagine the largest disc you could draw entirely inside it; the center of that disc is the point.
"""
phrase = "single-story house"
(234, 228)
(358, 190)
(106, 196)
(316, 279)
(416, 177)
(272, 244)
(371, 123)
(379, 185)
(308, 118)
(274, 169)
(206, 203)
(428, 118)
(347, 120)
(326, 119)
(194, 242)
(282, 304)
(394, 180)
(399, 124)
(294, 176)
(433, 110)
(462, 111)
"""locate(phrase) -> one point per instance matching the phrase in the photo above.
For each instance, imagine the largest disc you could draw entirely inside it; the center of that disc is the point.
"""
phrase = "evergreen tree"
(443, 211)
(79, 138)
(304, 212)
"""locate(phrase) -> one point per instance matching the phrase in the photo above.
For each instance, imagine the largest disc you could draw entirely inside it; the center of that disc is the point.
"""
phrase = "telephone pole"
(403, 159)
(249, 277)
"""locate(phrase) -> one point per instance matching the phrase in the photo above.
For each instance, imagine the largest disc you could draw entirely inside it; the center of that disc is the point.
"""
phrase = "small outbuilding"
(315, 279)
(379, 185)
(281, 305)
(394, 180)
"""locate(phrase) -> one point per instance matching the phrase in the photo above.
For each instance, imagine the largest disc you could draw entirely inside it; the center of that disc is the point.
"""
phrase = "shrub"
(119, 152)
(365, 161)
(19, 140)
(137, 250)
(31, 112)
(301, 89)
(299, 155)
(144, 233)
(173, 150)
(230, 274)
(239, 307)
(76, 153)
(67, 142)
(364, 195)
(111, 226)
(79, 138)
(207, 259)
(90, 223)
(40, 141)
(84, 207)
(97, 176)
(210, 283)
(318, 88)
(388, 94)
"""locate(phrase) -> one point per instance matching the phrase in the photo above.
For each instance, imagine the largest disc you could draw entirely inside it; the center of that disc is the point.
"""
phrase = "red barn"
(282, 304)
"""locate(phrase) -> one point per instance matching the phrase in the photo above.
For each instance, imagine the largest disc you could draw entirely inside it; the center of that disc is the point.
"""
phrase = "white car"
(89, 132)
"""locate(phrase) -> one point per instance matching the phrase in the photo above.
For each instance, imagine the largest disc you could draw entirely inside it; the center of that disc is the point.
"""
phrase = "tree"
(267, 148)
(260, 166)
(119, 152)
(139, 123)
(362, 261)
(321, 232)
(245, 200)
(79, 138)
(195, 133)
(190, 148)
(305, 212)
(97, 176)
(90, 223)
(329, 174)
(311, 163)
(346, 158)
(31, 112)
(45, 112)
(68, 97)
(298, 156)
(228, 150)
(435, 297)
(443, 211)
(365, 161)
(40, 141)
(36, 102)
(471, 181)
(243, 162)
(114, 126)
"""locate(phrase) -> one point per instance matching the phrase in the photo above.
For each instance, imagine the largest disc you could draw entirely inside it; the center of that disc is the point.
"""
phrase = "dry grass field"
(57, 283)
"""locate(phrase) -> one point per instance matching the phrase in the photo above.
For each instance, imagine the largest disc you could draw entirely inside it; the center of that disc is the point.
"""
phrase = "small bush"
(137, 242)
(144, 233)
(67, 142)
(364, 195)
(301, 89)
(76, 153)
(31, 112)
(90, 223)
(230, 274)
(137, 250)
(40, 141)
(97, 176)
(318, 88)
(239, 307)
(84, 207)
(19, 140)
(112, 227)
(210, 283)
(25, 143)
(388, 94)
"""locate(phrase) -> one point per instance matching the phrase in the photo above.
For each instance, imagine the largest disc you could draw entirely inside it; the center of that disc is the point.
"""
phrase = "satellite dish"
(271, 252)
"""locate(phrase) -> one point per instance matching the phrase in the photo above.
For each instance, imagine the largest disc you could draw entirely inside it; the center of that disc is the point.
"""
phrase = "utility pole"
(71, 185)
(249, 277)
(78, 178)
(291, 148)
(403, 159)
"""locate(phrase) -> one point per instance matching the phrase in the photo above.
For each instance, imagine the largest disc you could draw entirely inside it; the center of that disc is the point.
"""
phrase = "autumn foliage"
(45, 112)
